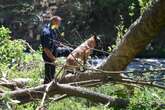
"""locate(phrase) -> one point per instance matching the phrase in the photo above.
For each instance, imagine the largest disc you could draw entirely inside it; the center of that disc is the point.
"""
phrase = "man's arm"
(49, 54)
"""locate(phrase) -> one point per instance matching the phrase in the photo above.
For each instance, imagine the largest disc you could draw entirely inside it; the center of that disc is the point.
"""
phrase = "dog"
(78, 57)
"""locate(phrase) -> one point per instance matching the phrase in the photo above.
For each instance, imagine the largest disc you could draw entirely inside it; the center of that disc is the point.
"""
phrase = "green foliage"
(29, 106)
(147, 99)
(144, 4)
(73, 104)
(6, 103)
(9, 49)
(121, 30)
(4, 34)
(131, 8)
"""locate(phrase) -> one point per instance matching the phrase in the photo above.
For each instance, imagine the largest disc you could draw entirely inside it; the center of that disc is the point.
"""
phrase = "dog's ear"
(98, 39)
(95, 37)
(99, 42)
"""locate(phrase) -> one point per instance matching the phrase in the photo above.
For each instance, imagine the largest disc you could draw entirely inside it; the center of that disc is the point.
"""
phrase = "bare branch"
(147, 83)
(45, 93)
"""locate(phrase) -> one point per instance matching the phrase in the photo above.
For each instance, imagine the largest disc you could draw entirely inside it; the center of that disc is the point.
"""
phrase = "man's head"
(55, 22)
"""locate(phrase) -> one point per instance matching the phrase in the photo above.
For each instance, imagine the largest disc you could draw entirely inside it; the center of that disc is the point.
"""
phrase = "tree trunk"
(139, 34)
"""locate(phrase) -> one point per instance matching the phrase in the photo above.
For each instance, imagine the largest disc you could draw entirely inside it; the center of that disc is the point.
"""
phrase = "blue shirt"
(49, 38)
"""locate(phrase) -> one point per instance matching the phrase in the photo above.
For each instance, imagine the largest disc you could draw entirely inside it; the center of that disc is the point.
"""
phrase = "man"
(52, 47)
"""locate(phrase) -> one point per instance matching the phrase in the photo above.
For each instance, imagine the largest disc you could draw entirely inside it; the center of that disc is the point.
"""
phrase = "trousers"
(50, 68)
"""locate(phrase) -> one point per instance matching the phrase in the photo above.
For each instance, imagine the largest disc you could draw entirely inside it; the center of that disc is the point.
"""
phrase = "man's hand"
(55, 62)
(49, 54)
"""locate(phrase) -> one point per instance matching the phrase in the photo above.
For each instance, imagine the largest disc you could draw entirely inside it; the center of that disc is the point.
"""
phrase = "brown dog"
(79, 55)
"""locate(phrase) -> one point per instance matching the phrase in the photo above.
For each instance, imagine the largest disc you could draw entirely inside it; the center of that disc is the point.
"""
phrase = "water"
(146, 64)
(139, 65)
(136, 64)
(95, 62)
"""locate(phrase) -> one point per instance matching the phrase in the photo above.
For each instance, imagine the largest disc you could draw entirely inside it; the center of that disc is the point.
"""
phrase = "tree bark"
(93, 96)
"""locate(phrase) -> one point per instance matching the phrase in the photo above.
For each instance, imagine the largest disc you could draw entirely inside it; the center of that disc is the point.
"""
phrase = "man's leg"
(49, 72)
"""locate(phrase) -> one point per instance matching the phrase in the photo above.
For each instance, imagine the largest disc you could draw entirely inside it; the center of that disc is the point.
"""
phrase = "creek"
(140, 64)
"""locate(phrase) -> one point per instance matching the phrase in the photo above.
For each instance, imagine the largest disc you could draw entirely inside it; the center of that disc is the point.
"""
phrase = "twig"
(45, 93)
(59, 98)
(80, 83)
(141, 83)
(28, 45)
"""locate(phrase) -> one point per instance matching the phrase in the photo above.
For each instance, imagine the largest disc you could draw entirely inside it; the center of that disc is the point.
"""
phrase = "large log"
(32, 94)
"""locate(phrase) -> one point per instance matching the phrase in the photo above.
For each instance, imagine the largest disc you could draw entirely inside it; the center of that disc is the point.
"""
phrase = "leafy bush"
(10, 50)
(144, 4)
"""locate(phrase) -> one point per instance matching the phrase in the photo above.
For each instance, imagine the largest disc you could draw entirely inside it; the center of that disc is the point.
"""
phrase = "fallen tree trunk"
(13, 84)
(93, 96)
(83, 77)
(27, 95)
